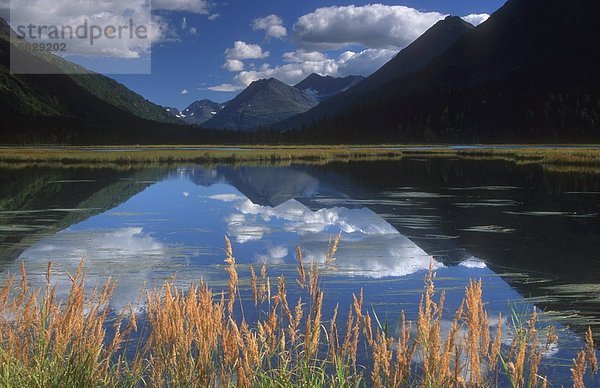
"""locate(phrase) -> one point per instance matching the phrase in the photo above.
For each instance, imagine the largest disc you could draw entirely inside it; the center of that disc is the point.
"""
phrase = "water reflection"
(371, 246)
(535, 228)
(176, 225)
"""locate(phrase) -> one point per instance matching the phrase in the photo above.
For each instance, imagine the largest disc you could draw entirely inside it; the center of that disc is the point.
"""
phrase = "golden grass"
(563, 158)
(123, 156)
(197, 338)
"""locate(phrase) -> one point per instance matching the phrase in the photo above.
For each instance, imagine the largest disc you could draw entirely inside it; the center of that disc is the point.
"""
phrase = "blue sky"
(213, 49)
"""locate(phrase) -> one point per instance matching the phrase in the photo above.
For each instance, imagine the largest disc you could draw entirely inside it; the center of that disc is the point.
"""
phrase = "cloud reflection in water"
(370, 246)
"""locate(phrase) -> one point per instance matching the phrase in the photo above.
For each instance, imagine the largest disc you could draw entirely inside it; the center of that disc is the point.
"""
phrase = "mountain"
(262, 103)
(105, 88)
(432, 43)
(529, 73)
(323, 87)
(200, 111)
(173, 111)
(63, 107)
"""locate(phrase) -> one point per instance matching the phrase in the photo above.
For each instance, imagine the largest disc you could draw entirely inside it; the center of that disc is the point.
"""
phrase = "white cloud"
(363, 62)
(272, 25)
(184, 91)
(370, 246)
(303, 63)
(274, 255)
(226, 197)
(193, 6)
(244, 232)
(123, 253)
(184, 24)
(233, 62)
(372, 26)
(214, 17)
(234, 65)
(299, 218)
(242, 50)
(193, 30)
(473, 262)
(382, 30)
(476, 18)
(301, 56)
(225, 88)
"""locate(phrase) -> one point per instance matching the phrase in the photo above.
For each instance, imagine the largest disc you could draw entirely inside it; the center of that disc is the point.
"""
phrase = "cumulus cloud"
(301, 56)
(184, 91)
(214, 17)
(272, 25)
(371, 26)
(363, 62)
(302, 63)
(476, 18)
(242, 50)
(234, 65)
(234, 58)
(381, 30)
(274, 255)
(123, 253)
(371, 247)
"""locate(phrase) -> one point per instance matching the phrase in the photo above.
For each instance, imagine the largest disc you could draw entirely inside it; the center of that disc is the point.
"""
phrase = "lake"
(531, 233)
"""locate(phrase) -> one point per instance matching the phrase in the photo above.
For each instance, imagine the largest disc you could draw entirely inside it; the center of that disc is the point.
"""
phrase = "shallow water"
(530, 234)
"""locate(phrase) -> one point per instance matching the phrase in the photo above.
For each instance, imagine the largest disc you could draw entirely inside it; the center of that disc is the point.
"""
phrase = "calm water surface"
(531, 234)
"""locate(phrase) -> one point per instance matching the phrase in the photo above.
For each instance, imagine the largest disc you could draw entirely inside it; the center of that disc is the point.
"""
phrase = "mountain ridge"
(322, 87)
(425, 48)
(200, 111)
(262, 103)
(526, 74)
(62, 107)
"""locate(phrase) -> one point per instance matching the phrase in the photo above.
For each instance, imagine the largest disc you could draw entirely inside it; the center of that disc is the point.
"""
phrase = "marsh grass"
(165, 155)
(197, 338)
(559, 159)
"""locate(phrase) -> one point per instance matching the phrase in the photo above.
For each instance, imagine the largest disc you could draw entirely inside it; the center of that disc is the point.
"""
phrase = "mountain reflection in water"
(535, 228)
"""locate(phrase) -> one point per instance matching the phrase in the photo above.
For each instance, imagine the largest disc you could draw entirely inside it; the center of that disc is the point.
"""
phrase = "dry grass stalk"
(253, 286)
(301, 270)
(478, 334)
(578, 370)
(332, 249)
(428, 331)
(233, 275)
(194, 339)
(590, 351)
(586, 358)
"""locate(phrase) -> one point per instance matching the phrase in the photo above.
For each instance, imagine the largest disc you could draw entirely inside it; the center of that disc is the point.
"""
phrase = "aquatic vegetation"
(195, 337)
(580, 159)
